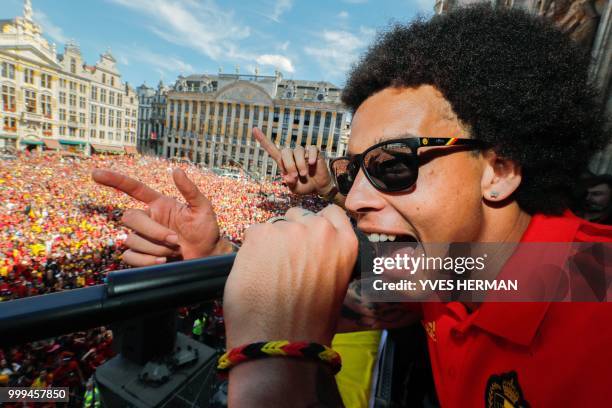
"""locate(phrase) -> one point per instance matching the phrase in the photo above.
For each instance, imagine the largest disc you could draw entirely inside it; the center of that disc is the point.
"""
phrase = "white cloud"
(197, 24)
(165, 65)
(343, 14)
(54, 32)
(280, 7)
(339, 49)
(277, 61)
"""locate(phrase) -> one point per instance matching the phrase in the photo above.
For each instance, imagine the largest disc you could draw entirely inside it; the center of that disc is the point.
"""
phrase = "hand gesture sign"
(167, 227)
(303, 169)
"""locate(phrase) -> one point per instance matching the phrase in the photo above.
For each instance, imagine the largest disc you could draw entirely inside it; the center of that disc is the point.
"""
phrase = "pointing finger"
(128, 185)
(268, 145)
(192, 194)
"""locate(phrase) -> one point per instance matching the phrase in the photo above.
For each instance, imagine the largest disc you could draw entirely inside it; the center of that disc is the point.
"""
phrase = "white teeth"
(375, 237)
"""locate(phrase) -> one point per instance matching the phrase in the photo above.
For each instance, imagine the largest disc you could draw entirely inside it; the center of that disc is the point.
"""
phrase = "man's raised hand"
(166, 228)
(303, 169)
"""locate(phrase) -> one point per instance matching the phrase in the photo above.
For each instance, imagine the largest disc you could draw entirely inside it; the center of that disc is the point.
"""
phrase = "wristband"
(283, 348)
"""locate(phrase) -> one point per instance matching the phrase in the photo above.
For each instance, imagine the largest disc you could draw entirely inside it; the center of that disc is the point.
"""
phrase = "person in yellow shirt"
(359, 351)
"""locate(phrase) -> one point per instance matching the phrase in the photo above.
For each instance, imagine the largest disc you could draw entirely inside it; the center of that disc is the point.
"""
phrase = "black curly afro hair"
(516, 81)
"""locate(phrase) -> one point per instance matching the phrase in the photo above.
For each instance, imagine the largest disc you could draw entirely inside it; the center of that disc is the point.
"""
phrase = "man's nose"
(363, 197)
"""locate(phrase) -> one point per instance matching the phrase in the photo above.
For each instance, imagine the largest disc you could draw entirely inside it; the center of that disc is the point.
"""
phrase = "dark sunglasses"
(391, 165)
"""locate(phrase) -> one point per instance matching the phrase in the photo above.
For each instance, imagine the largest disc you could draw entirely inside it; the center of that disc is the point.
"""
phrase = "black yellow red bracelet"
(282, 348)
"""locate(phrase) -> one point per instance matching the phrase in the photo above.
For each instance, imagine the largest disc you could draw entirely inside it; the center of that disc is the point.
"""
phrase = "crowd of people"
(59, 230)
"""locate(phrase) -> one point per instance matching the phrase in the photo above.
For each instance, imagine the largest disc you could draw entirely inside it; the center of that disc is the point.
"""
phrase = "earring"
(494, 194)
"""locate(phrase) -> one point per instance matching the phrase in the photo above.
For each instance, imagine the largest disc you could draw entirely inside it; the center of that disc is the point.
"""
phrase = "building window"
(317, 119)
(30, 101)
(110, 135)
(62, 114)
(72, 99)
(73, 86)
(45, 105)
(93, 116)
(62, 97)
(92, 133)
(307, 118)
(111, 98)
(103, 78)
(8, 70)
(102, 95)
(73, 117)
(82, 118)
(82, 102)
(62, 83)
(45, 81)
(8, 98)
(94, 93)
(82, 133)
(72, 131)
(112, 81)
(82, 88)
(102, 135)
(62, 130)
(47, 129)
(73, 65)
(118, 119)
(111, 117)
(28, 76)
(119, 100)
(266, 114)
(10, 124)
(102, 115)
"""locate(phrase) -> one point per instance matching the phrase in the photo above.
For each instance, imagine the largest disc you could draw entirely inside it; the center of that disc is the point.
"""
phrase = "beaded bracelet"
(282, 348)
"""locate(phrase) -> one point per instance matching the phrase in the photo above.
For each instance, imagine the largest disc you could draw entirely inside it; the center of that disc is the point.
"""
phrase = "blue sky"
(153, 39)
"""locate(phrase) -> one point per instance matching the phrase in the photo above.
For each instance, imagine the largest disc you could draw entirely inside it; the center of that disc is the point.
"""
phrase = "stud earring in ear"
(494, 194)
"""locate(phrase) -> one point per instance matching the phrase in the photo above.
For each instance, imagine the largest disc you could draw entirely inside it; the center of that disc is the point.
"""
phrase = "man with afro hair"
(470, 127)
(519, 87)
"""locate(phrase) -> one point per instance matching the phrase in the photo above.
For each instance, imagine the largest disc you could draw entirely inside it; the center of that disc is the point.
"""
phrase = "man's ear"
(501, 177)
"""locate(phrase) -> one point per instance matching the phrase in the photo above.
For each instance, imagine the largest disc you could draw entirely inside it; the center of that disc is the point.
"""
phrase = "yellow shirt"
(358, 351)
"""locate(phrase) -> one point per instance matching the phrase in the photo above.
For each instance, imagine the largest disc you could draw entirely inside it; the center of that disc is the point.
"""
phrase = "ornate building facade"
(57, 102)
(210, 119)
(151, 118)
(589, 23)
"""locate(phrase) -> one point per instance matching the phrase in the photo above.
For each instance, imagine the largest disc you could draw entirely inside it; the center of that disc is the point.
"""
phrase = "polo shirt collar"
(518, 322)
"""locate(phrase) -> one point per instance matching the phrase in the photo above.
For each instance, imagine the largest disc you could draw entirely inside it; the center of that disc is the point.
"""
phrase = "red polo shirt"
(525, 354)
